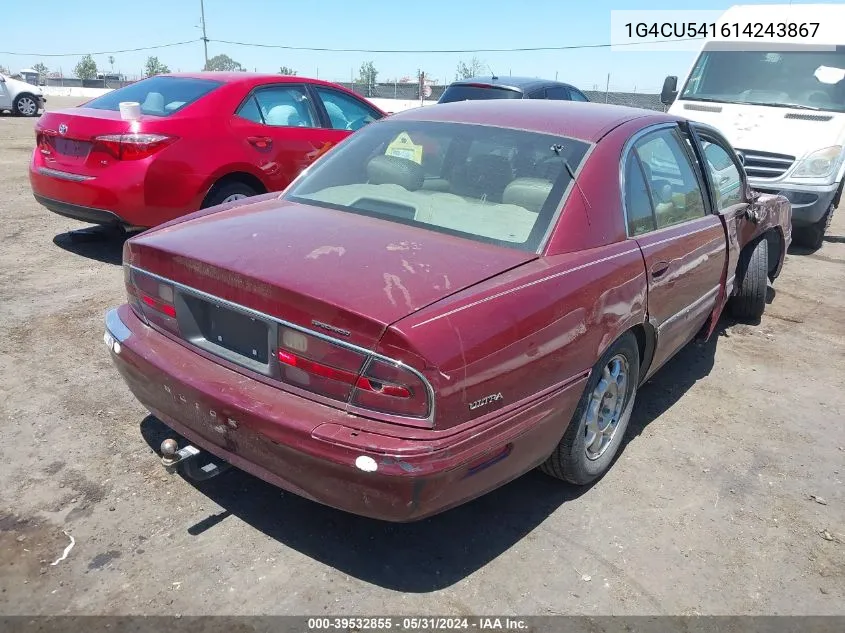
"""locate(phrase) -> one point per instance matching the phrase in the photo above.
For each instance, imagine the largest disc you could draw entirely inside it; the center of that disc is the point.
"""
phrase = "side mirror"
(670, 90)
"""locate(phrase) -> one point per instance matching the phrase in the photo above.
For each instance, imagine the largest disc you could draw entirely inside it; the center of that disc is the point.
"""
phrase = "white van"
(784, 112)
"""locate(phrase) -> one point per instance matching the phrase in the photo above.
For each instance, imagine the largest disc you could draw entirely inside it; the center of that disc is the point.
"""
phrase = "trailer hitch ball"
(169, 452)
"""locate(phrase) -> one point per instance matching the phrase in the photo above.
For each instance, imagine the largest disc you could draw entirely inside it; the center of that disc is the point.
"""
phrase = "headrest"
(153, 103)
(282, 115)
(528, 193)
(392, 170)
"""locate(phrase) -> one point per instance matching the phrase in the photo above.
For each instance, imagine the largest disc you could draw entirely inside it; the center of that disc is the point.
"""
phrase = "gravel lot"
(707, 511)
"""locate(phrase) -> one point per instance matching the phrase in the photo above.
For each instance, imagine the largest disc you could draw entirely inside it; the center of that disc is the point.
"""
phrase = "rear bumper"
(808, 204)
(311, 449)
(77, 212)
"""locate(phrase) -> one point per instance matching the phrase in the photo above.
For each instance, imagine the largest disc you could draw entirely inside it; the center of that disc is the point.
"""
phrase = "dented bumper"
(322, 453)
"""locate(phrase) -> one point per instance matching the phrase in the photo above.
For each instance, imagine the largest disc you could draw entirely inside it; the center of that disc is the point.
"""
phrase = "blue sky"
(67, 26)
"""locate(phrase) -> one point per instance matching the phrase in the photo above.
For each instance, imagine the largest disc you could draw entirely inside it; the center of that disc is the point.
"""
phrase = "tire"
(573, 460)
(752, 276)
(227, 192)
(25, 105)
(812, 236)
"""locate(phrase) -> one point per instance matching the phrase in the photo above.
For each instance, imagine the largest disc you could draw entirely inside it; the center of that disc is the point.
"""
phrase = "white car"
(20, 97)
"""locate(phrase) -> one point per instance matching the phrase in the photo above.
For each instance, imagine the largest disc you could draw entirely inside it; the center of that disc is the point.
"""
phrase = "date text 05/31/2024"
(426, 623)
(712, 30)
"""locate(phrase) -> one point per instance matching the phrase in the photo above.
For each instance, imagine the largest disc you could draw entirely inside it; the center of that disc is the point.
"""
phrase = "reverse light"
(151, 299)
(344, 374)
(132, 146)
(818, 164)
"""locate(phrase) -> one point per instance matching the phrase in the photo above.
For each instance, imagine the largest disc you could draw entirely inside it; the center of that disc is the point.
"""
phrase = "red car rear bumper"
(311, 449)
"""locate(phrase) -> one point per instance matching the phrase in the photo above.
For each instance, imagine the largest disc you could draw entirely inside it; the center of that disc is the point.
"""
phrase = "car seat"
(153, 104)
(283, 115)
(529, 193)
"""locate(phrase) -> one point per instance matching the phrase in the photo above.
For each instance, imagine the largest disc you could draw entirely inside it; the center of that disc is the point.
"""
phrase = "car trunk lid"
(346, 275)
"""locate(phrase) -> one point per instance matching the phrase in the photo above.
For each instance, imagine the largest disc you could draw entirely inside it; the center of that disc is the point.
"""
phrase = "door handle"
(261, 142)
(659, 269)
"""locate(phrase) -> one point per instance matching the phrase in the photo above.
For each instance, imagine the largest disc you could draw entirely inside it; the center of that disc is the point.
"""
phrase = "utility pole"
(204, 36)
(607, 88)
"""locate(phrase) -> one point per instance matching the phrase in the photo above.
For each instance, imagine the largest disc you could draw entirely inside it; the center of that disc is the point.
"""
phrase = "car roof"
(524, 84)
(574, 119)
(247, 78)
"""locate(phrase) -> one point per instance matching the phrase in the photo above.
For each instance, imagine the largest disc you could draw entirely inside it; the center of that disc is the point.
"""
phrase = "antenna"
(493, 74)
(557, 148)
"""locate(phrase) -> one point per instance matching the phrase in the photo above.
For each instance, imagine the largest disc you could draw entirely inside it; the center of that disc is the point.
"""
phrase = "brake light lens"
(151, 299)
(132, 146)
(344, 374)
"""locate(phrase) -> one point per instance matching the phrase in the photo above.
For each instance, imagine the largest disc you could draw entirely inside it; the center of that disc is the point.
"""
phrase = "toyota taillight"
(132, 146)
(151, 298)
(348, 375)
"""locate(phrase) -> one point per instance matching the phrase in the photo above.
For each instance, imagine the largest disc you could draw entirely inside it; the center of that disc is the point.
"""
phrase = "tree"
(4, 70)
(86, 68)
(111, 62)
(287, 70)
(367, 76)
(41, 69)
(154, 67)
(473, 69)
(223, 62)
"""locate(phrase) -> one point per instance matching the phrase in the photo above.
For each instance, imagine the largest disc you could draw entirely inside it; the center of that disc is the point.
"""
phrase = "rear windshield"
(464, 92)
(489, 184)
(159, 96)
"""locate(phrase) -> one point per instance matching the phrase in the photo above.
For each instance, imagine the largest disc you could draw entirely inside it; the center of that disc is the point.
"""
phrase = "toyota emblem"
(63, 129)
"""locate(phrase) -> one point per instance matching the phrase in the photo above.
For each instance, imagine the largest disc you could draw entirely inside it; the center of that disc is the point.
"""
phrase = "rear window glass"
(489, 184)
(159, 96)
(463, 92)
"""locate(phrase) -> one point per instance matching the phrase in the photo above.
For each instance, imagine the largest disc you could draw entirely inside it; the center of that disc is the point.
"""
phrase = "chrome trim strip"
(370, 354)
(116, 327)
(63, 175)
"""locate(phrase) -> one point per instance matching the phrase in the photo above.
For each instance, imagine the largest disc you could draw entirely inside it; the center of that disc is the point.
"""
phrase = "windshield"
(468, 92)
(802, 79)
(484, 183)
(159, 96)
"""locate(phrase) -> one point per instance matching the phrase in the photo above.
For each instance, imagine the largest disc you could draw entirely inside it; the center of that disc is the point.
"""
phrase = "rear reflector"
(132, 146)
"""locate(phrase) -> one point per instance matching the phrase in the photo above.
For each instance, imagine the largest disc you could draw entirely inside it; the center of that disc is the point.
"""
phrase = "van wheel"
(812, 236)
(25, 105)
(598, 425)
(228, 192)
(749, 302)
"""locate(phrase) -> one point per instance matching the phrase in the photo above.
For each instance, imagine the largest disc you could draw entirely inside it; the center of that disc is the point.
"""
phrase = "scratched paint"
(391, 282)
(326, 250)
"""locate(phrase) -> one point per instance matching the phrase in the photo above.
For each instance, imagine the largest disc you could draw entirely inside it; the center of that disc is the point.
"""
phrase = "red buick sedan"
(451, 297)
(202, 139)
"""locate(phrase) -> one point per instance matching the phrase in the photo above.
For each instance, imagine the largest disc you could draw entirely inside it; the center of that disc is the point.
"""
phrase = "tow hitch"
(188, 460)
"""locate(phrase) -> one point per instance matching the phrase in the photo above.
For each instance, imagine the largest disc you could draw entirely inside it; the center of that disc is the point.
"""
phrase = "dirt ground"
(707, 511)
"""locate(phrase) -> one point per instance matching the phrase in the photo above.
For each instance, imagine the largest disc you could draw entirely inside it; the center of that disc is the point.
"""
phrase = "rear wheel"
(25, 105)
(227, 192)
(595, 433)
(813, 236)
(749, 302)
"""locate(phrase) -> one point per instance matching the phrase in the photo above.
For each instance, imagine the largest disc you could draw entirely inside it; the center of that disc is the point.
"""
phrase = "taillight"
(132, 146)
(344, 374)
(152, 299)
(43, 143)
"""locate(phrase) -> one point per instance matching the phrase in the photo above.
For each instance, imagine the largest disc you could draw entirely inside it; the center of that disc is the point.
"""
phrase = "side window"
(249, 110)
(285, 106)
(638, 209)
(724, 174)
(576, 95)
(557, 92)
(345, 112)
(674, 189)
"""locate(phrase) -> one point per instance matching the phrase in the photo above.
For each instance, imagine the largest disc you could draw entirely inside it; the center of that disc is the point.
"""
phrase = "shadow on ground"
(94, 243)
(437, 552)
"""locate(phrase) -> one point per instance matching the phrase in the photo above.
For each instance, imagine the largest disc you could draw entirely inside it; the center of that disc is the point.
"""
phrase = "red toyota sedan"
(202, 139)
(451, 297)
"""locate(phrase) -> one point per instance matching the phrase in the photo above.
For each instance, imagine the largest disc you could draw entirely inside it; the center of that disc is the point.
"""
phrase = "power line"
(125, 50)
(469, 50)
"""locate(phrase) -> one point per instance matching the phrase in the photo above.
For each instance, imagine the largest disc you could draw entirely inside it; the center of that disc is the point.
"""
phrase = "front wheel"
(26, 105)
(812, 236)
(752, 275)
(595, 433)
